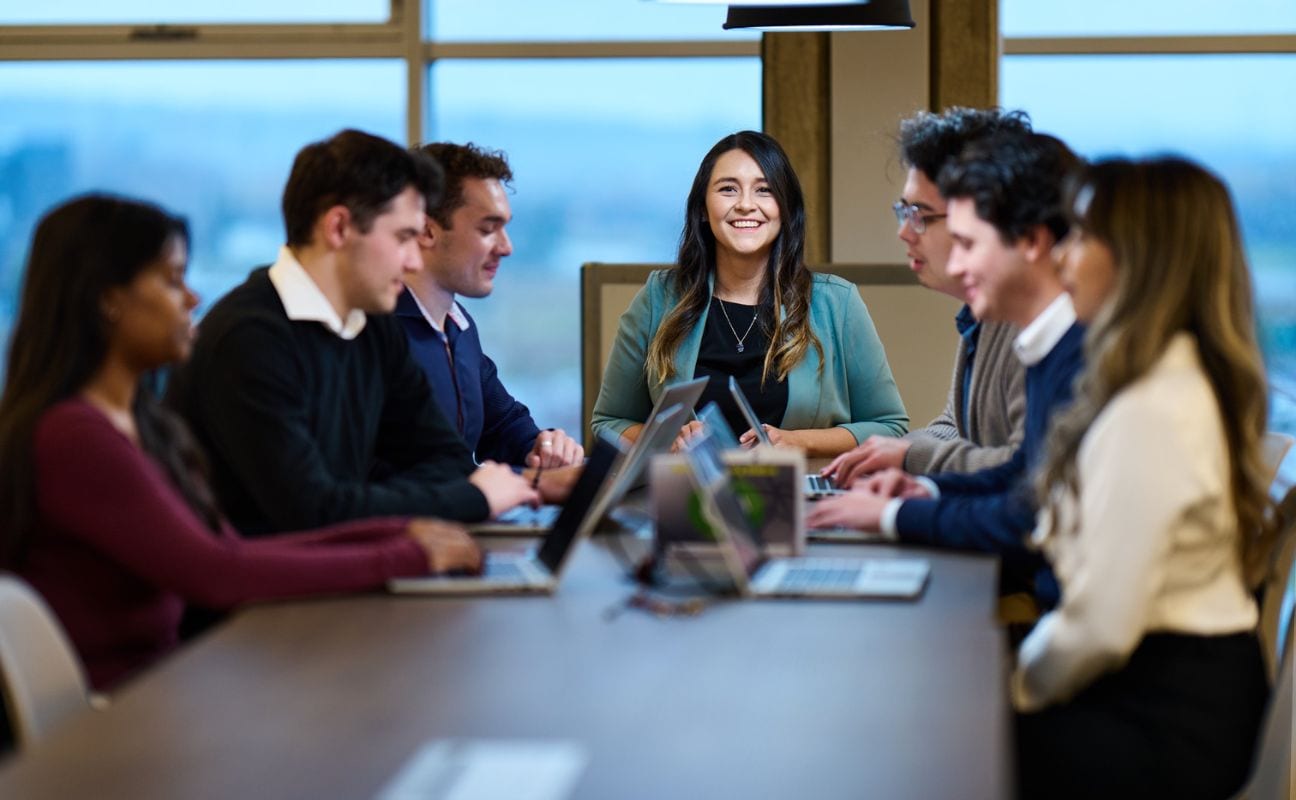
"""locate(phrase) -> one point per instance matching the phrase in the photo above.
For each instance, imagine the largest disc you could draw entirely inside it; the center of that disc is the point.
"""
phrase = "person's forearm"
(822, 442)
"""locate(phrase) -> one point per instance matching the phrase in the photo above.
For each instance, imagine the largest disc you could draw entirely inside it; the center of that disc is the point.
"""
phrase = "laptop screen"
(714, 423)
(578, 503)
(748, 412)
(713, 480)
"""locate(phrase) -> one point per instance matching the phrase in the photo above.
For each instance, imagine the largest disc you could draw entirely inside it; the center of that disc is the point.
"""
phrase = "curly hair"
(928, 141)
(460, 161)
(1014, 181)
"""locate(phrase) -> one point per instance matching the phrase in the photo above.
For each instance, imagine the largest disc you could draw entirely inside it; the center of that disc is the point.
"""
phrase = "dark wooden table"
(754, 699)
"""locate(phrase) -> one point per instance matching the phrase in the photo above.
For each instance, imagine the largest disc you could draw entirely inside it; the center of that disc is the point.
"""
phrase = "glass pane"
(1235, 114)
(211, 141)
(576, 20)
(603, 155)
(1145, 18)
(133, 12)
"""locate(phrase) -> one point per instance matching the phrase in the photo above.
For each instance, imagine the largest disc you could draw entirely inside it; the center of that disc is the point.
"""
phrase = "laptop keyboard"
(503, 569)
(821, 573)
(526, 516)
(818, 484)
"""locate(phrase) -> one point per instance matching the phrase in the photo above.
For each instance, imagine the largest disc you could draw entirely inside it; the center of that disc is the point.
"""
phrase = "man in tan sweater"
(983, 418)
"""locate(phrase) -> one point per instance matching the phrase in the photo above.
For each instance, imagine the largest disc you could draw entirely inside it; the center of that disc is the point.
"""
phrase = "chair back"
(1271, 776)
(40, 675)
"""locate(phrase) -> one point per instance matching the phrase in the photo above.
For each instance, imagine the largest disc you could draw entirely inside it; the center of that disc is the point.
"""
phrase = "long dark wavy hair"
(82, 249)
(1180, 267)
(784, 306)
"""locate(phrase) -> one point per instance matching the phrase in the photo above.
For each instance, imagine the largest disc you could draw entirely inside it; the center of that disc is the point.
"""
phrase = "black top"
(719, 357)
(304, 428)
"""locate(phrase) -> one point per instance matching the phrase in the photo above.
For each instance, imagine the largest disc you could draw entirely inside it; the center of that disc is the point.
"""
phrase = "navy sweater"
(493, 424)
(993, 510)
(304, 429)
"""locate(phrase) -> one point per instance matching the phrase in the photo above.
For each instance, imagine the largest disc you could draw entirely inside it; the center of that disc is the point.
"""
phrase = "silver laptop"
(656, 437)
(525, 520)
(533, 571)
(816, 486)
(756, 576)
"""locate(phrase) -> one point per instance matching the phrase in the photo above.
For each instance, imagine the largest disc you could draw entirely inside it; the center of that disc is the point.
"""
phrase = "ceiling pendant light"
(824, 15)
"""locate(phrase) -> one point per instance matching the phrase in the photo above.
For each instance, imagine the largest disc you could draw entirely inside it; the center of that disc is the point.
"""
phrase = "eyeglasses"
(914, 215)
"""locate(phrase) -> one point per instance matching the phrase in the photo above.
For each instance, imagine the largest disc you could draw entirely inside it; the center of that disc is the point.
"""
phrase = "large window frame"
(401, 37)
(1179, 44)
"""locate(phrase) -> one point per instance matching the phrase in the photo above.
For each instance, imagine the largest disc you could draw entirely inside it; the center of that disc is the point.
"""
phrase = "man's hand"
(858, 509)
(894, 483)
(554, 448)
(447, 545)
(555, 484)
(874, 455)
(503, 488)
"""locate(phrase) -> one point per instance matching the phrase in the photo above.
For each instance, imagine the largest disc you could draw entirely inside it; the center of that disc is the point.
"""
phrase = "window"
(1233, 112)
(604, 130)
(212, 141)
(602, 161)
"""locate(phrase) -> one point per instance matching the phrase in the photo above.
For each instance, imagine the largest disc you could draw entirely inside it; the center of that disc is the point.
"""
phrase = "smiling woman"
(742, 303)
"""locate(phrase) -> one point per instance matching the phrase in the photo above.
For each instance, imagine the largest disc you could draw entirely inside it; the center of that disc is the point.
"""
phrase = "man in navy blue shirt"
(462, 246)
(1005, 216)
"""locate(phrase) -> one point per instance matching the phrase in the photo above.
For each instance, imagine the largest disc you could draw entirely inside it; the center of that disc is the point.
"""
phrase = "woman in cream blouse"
(1147, 680)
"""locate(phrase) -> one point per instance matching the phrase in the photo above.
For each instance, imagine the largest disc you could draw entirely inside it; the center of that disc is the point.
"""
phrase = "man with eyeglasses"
(1006, 217)
(981, 424)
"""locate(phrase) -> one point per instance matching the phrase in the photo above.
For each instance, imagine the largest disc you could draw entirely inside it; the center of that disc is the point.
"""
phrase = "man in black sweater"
(301, 388)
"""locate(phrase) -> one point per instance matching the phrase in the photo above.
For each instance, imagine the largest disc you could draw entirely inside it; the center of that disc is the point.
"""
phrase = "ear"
(332, 227)
(110, 304)
(1037, 244)
(431, 235)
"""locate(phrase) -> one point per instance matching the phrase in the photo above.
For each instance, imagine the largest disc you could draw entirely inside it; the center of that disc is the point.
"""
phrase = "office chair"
(1271, 775)
(41, 678)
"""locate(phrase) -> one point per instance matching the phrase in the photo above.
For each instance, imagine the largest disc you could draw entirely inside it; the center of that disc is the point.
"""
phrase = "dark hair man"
(462, 246)
(301, 388)
(981, 423)
(1005, 216)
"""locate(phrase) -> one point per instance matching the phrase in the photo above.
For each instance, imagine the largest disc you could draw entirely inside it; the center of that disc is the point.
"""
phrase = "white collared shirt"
(303, 300)
(1034, 342)
(456, 314)
(1043, 333)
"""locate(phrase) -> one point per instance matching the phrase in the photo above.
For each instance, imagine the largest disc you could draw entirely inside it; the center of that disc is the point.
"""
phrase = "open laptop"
(756, 576)
(656, 437)
(525, 520)
(816, 486)
(535, 571)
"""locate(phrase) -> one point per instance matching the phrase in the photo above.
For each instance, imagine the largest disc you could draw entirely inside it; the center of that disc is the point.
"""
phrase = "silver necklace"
(742, 338)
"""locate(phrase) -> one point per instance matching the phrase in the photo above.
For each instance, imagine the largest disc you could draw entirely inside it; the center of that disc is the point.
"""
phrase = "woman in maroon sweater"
(104, 506)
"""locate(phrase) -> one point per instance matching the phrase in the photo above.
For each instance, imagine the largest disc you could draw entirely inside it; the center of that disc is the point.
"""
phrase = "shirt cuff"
(888, 522)
(929, 485)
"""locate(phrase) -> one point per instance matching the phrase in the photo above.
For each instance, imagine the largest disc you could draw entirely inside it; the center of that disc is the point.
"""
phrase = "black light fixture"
(821, 16)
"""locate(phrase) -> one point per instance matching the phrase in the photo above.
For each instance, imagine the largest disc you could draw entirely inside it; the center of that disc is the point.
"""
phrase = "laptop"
(533, 571)
(756, 576)
(656, 437)
(816, 486)
(527, 521)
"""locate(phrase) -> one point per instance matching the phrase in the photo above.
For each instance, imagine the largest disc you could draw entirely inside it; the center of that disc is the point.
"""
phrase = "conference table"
(332, 698)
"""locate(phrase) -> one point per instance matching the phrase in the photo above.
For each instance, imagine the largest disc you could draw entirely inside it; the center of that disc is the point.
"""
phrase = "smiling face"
(464, 258)
(376, 262)
(150, 318)
(741, 209)
(928, 252)
(1088, 272)
(996, 277)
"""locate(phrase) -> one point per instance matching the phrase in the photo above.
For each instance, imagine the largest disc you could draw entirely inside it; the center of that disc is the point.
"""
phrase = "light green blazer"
(855, 391)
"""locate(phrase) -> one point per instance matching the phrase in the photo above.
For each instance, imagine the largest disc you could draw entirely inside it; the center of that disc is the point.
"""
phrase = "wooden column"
(796, 111)
(964, 53)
